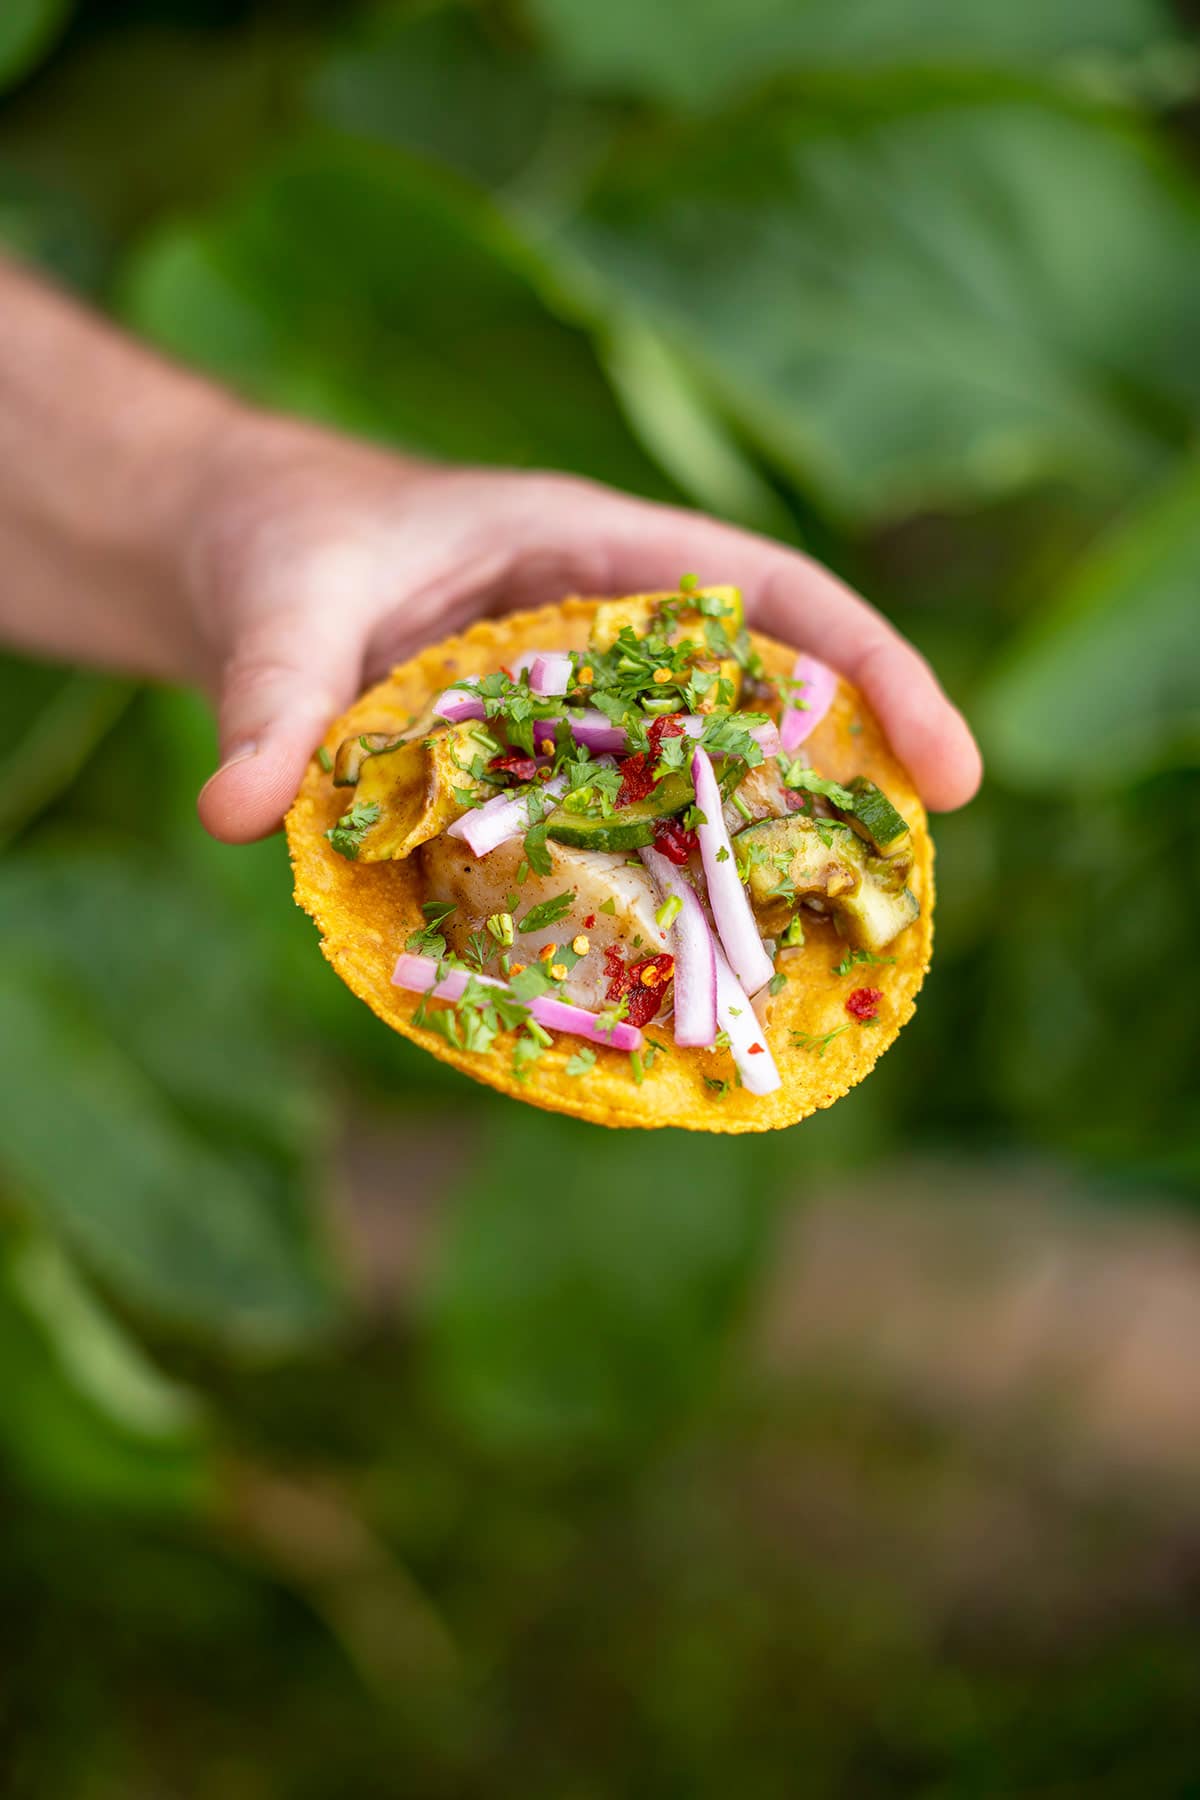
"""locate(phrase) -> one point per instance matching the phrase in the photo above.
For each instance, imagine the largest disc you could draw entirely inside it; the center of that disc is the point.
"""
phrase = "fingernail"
(239, 754)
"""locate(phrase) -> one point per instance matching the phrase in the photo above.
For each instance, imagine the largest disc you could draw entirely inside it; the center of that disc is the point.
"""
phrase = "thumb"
(285, 680)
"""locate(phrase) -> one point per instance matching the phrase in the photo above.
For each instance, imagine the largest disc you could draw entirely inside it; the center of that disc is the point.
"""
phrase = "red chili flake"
(637, 778)
(670, 725)
(674, 841)
(755, 1050)
(863, 1004)
(589, 921)
(516, 764)
(643, 998)
(637, 771)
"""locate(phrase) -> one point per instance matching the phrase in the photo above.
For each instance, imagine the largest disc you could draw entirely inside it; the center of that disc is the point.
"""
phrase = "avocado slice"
(876, 819)
(406, 795)
(788, 860)
(627, 827)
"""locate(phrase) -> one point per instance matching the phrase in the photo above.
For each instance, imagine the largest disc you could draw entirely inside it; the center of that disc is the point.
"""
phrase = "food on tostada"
(624, 859)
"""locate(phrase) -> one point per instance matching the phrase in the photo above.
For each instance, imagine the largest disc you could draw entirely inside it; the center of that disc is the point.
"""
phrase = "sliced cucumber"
(353, 752)
(876, 819)
(789, 860)
(628, 827)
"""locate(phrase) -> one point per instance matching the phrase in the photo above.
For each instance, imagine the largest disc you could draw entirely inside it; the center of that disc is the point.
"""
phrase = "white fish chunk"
(478, 887)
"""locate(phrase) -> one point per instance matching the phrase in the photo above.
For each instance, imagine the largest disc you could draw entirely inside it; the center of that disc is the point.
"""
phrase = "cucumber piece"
(875, 818)
(628, 827)
(353, 752)
(787, 860)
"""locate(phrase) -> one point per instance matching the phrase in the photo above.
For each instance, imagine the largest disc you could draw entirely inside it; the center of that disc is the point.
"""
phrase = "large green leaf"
(27, 30)
(695, 52)
(147, 1112)
(590, 1277)
(349, 283)
(917, 294)
(446, 82)
(1106, 683)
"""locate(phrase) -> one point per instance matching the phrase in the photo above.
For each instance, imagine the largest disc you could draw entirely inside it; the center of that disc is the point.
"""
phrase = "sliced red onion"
(419, 975)
(691, 944)
(550, 673)
(820, 686)
(485, 827)
(726, 895)
(559, 1015)
(747, 1040)
(591, 729)
(455, 705)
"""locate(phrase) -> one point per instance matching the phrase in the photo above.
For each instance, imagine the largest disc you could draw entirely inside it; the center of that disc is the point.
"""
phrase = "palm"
(332, 561)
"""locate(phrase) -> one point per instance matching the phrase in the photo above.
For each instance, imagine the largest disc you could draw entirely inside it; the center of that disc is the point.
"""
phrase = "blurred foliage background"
(362, 1434)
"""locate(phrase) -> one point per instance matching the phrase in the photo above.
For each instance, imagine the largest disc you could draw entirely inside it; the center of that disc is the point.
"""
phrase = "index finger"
(796, 600)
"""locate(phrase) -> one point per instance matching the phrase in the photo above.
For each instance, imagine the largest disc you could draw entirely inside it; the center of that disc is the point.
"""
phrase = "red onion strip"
(747, 1040)
(550, 673)
(820, 686)
(727, 897)
(690, 943)
(485, 827)
(456, 704)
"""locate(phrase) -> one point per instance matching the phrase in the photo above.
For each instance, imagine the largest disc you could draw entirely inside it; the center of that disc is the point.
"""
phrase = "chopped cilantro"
(610, 1018)
(532, 981)
(324, 758)
(723, 854)
(536, 853)
(549, 912)
(719, 1088)
(804, 1040)
(636, 1068)
(777, 983)
(796, 775)
(853, 957)
(526, 1051)
(582, 1062)
(347, 835)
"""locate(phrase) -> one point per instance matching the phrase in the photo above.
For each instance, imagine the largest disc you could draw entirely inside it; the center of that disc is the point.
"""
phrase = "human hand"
(316, 563)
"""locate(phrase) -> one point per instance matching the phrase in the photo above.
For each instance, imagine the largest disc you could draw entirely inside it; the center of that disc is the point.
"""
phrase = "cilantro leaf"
(347, 835)
(536, 854)
(549, 912)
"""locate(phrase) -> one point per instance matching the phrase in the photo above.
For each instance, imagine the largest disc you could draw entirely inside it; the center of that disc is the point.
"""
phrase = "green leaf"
(147, 1113)
(913, 293)
(1105, 685)
(85, 1421)
(28, 29)
(694, 55)
(349, 283)
(445, 84)
(40, 763)
(588, 1279)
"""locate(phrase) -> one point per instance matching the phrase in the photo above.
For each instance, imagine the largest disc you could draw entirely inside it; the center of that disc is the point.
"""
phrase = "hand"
(317, 563)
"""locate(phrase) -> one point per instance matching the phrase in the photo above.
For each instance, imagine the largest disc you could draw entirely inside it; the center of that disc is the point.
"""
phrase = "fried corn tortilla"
(365, 911)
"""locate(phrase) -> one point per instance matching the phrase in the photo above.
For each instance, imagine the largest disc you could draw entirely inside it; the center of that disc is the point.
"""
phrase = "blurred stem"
(57, 747)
